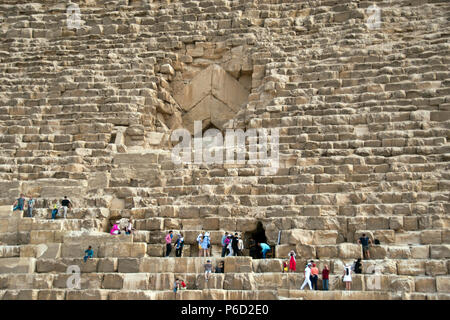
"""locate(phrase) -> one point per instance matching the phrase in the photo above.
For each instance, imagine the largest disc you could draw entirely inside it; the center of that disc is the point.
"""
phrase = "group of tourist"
(19, 205)
(128, 229)
(179, 244)
(179, 284)
(232, 245)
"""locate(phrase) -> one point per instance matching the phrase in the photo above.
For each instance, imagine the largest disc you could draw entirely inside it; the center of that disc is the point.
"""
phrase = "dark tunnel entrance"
(252, 238)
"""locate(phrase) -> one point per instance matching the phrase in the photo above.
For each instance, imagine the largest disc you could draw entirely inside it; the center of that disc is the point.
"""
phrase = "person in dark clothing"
(358, 268)
(65, 204)
(234, 244)
(179, 245)
(254, 252)
(365, 242)
(220, 267)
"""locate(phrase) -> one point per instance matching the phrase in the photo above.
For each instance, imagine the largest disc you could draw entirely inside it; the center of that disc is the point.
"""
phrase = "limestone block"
(435, 267)
(137, 281)
(385, 236)
(107, 265)
(239, 281)
(420, 252)
(440, 251)
(17, 265)
(378, 251)
(238, 264)
(27, 294)
(267, 265)
(407, 237)
(90, 294)
(51, 294)
(128, 265)
(399, 252)
(327, 252)
(113, 281)
(423, 284)
(443, 284)
(299, 236)
(411, 267)
(430, 237)
(325, 237)
(349, 251)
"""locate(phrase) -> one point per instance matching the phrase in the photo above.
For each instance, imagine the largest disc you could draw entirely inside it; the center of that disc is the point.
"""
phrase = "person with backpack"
(224, 243)
(89, 253)
(365, 242)
(168, 239)
(307, 280)
(30, 204)
(199, 242)
(347, 277)
(292, 262)
(179, 244)
(206, 244)
(325, 277)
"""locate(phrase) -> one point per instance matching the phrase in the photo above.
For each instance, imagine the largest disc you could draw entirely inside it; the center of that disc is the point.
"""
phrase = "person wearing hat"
(206, 244)
(179, 245)
(307, 277)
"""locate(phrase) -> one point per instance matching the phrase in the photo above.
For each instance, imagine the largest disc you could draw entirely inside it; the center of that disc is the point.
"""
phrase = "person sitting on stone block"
(220, 267)
(55, 211)
(208, 269)
(115, 229)
(89, 253)
(357, 266)
(19, 203)
(182, 285)
(176, 285)
(265, 248)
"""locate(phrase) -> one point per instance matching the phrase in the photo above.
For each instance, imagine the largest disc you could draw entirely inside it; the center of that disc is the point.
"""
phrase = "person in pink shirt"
(169, 237)
(115, 229)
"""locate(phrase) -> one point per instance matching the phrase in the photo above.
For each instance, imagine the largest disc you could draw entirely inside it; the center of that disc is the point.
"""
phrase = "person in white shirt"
(230, 248)
(240, 246)
(307, 277)
(348, 276)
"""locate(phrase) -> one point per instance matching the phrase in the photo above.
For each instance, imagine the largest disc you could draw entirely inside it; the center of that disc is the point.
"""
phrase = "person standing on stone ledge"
(240, 246)
(66, 204)
(347, 277)
(234, 244)
(307, 274)
(292, 262)
(129, 228)
(169, 237)
(325, 277)
(206, 245)
(224, 244)
(179, 245)
(30, 204)
(199, 243)
(314, 276)
(365, 242)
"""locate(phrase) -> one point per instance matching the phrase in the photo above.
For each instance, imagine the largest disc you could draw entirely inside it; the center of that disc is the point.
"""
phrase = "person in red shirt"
(314, 276)
(325, 275)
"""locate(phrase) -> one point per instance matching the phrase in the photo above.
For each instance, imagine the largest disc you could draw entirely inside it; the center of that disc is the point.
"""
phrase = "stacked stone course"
(363, 116)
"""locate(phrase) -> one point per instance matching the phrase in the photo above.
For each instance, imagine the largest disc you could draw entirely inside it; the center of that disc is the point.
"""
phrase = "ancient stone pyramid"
(90, 93)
